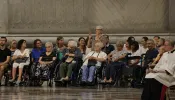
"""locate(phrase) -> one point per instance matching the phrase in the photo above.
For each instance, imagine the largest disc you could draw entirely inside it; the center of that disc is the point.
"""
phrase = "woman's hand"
(20, 56)
(90, 57)
(116, 59)
(71, 55)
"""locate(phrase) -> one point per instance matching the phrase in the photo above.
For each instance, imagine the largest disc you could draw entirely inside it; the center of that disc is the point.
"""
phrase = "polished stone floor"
(69, 93)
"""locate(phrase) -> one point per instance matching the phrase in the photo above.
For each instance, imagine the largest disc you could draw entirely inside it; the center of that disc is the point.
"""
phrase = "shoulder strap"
(98, 54)
(93, 53)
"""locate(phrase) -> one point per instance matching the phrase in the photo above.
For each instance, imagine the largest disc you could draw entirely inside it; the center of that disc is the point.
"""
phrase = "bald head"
(169, 45)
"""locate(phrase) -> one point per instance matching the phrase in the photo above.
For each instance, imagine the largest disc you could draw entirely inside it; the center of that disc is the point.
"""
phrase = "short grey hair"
(49, 44)
(121, 43)
(170, 42)
(100, 44)
(72, 43)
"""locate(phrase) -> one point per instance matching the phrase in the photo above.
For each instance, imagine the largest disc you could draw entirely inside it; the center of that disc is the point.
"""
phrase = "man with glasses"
(5, 54)
(161, 76)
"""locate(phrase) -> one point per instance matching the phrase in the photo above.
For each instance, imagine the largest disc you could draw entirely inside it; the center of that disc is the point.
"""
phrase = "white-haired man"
(71, 55)
(162, 76)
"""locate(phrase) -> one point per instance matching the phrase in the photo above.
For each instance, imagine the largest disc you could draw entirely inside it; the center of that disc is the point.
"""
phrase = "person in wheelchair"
(92, 61)
(21, 58)
(5, 54)
(71, 53)
(46, 61)
(115, 60)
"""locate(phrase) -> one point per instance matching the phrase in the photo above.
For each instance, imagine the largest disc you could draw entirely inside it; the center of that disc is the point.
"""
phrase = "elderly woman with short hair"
(115, 59)
(49, 56)
(97, 57)
(71, 53)
(46, 60)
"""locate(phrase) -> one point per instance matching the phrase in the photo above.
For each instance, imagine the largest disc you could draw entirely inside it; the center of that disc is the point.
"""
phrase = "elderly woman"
(71, 53)
(47, 58)
(21, 58)
(115, 59)
(92, 40)
(91, 61)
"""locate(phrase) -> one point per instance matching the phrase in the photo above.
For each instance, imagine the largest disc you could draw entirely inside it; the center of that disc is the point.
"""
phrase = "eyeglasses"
(48, 47)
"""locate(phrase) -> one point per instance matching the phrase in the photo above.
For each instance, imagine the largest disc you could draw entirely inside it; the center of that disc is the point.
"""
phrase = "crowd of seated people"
(95, 51)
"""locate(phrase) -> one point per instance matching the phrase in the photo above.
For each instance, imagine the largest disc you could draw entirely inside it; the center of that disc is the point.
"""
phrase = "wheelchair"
(131, 76)
(73, 77)
(126, 76)
(25, 77)
(36, 79)
(98, 74)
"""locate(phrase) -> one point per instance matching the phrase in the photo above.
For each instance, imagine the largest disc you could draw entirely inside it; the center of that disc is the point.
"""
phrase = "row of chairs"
(125, 75)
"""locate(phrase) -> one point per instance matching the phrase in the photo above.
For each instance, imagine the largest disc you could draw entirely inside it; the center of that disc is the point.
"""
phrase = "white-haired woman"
(46, 59)
(91, 61)
(71, 53)
(115, 59)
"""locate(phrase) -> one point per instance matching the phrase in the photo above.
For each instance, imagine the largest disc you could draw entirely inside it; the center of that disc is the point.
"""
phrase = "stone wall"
(47, 19)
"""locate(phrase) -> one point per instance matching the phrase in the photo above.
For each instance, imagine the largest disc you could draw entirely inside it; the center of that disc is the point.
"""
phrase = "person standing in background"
(92, 40)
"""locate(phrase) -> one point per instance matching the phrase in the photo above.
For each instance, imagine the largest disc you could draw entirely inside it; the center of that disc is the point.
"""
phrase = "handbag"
(92, 62)
(22, 60)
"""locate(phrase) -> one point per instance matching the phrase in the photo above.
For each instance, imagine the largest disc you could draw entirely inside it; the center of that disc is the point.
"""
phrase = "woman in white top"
(143, 47)
(89, 69)
(134, 52)
(20, 53)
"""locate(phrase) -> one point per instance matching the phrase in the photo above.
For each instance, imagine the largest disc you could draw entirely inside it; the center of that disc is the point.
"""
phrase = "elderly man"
(162, 76)
(107, 48)
(71, 54)
(5, 54)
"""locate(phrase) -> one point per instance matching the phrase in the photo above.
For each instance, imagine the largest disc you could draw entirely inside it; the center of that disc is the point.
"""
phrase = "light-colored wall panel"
(76, 16)
(3, 16)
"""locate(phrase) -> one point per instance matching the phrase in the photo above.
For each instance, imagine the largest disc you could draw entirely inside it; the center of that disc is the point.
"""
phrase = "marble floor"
(69, 93)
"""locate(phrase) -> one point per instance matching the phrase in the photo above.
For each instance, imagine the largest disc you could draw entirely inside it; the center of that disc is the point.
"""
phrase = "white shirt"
(95, 54)
(26, 52)
(137, 53)
(167, 62)
(143, 50)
